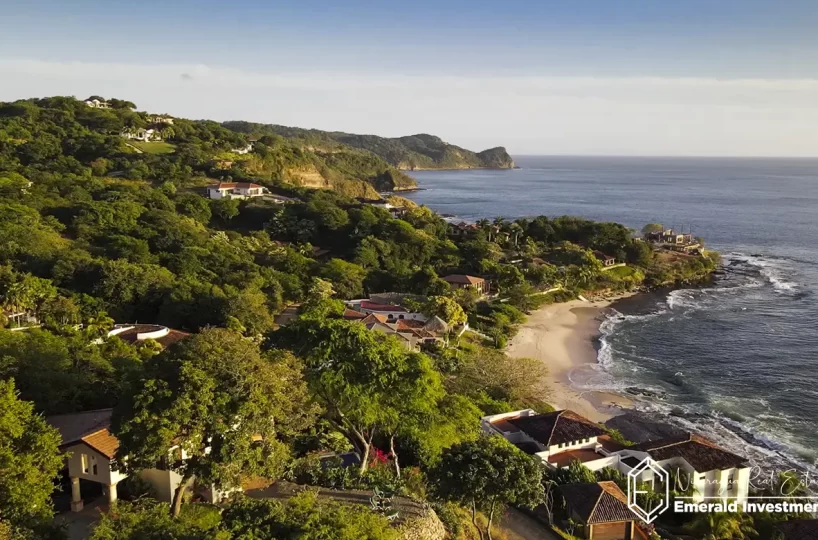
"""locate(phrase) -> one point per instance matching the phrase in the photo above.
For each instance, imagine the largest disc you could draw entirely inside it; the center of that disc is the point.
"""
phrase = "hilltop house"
(244, 149)
(97, 104)
(161, 119)
(136, 333)
(91, 448)
(141, 134)
(606, 260)
(561, 437)
(461, 281)
(463, 229)
(601, 509)
(235, 190)
(390, 311)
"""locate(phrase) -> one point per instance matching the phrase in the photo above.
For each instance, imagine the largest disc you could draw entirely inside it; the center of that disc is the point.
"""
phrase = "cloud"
(528, 114)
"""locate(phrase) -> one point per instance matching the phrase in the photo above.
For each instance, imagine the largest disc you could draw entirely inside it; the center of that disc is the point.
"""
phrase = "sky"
(574, 77)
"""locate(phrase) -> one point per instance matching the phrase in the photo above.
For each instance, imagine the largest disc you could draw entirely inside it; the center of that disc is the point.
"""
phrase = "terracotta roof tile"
(351, 314)
(463, 279)
(103, 442)
(600, 502)
(366, 304)
(74, 426)
(557, 427)
(702, 454)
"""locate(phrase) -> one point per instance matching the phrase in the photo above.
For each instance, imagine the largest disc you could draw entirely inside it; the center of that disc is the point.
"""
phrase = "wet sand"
(563, 336)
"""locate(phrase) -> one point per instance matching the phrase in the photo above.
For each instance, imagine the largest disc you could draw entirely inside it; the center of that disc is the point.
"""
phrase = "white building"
(161, 119)
(235, 190)
(141, 134)
(390, 311)
(97, 104)
(561, 437)
(91, 451)
(243, 150)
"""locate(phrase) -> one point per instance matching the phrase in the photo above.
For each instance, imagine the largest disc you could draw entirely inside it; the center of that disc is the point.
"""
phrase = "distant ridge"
(413, 152)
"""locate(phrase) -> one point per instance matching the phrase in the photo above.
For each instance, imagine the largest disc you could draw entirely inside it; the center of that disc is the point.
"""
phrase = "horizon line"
(658, 156)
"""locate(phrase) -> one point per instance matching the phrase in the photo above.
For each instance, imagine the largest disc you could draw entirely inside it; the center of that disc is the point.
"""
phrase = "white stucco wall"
(104, 473)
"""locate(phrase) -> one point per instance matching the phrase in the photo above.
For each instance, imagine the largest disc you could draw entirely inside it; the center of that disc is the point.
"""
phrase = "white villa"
(141, 134)
(244, 150)
(561, 437)
(161, 119)
(97, 104)
(390, 311)
(91, 450)
(235, 190)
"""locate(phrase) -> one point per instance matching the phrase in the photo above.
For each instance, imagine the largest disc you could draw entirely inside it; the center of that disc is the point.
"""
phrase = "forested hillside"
(414, 152)
(73, 134)
(97, 229)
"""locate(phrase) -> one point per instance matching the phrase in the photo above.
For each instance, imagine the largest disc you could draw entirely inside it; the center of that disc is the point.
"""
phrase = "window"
(84, 460)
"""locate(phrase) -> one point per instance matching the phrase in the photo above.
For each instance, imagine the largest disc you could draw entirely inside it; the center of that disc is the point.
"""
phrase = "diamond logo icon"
(649, 508)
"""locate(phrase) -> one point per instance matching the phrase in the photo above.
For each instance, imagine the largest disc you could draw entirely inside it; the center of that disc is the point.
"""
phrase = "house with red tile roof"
(462, 281)
(561, 437)
(90, 450)
(392, 312)
(601, 509)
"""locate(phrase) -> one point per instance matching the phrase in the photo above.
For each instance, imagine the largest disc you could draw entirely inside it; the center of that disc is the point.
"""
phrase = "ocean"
(737, 360)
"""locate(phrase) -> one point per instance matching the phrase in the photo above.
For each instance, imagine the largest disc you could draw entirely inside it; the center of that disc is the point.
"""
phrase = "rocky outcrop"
(424, 527)
(496, 158)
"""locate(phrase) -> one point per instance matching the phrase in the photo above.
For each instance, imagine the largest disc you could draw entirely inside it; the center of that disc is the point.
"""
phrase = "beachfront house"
(561, 437)
(601, 510)
(711, 470)
(557, 438)
(462, 281)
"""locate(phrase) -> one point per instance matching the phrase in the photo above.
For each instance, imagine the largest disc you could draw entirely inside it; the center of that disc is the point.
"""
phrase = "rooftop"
(600, 502)
(74, 426)
(374, 306)
(463, 279)
(557, 427)
(583, 455)
(702, 454)
(139, 332)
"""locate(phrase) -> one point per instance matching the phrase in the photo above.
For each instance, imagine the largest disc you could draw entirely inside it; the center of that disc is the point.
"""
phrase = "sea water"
(737, 360)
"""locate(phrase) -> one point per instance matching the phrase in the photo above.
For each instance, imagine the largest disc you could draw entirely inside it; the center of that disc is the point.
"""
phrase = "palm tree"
(724, 526)
(516, 230)
(485, 225)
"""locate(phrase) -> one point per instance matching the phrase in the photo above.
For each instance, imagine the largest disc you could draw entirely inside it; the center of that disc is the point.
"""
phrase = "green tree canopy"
(487, 474)
(216, 398)
(29, 461)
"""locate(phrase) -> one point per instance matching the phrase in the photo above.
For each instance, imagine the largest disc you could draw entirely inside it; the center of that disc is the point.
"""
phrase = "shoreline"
(564, 337)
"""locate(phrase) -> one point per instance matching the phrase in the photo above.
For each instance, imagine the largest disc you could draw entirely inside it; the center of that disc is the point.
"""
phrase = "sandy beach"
(563, 336)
